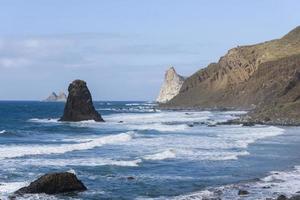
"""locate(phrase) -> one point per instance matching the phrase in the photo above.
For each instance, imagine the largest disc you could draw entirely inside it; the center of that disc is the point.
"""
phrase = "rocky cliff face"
(171, 86)
(264, 76)
(79, 106)
(54, 97)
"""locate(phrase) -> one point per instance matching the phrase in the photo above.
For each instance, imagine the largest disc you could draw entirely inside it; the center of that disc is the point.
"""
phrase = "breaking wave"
(170, 153)
(7, 151)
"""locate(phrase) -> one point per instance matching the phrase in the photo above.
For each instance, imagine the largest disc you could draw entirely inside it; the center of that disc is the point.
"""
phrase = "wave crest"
(24, 150)
(170, 153)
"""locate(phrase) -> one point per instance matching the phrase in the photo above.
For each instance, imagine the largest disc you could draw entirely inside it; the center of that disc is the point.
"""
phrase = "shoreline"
(248, 119)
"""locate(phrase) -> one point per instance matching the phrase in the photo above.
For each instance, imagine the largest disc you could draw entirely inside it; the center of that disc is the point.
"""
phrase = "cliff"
(262, 77)
(171, 86)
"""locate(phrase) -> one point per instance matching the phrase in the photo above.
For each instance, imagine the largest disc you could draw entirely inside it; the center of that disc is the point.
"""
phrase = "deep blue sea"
(141, 152)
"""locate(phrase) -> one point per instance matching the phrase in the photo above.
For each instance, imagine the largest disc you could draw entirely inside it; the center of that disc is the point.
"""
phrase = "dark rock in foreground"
(296, 197)
(248, 124)
(79, 106)
(282, 197)
(53, 184)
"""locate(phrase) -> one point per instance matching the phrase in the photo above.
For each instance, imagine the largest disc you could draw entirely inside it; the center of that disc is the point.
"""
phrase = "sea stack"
(79, 106)
(171, 86)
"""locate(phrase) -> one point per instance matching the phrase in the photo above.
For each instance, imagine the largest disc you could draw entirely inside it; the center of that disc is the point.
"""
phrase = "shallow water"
(171, 155)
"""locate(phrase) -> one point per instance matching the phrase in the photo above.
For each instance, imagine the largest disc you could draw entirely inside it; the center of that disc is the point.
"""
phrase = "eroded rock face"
(79, 106)
(53, 184)
(170, 87)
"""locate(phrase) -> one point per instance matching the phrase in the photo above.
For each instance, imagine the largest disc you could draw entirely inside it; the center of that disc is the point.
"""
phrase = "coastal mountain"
(171, 86)
(264, 78)
(54, 97)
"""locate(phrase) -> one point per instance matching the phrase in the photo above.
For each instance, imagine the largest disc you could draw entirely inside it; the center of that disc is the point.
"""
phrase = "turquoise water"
(141, 152)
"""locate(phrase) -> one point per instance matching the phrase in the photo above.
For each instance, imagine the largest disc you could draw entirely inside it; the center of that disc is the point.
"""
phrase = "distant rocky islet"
(53, 97)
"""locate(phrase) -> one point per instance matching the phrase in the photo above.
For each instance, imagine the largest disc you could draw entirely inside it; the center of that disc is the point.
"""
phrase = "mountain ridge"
(248, 77)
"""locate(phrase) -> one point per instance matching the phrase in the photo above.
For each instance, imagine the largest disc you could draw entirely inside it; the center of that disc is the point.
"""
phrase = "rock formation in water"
(53, 184)
(264, 78)
(171, 86)
(54, 97)
(79, 104)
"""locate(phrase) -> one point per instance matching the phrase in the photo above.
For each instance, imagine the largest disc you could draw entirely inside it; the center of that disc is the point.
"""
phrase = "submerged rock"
(243, 192)
(296, 197)
(248, 124)
(130, 178)
(79, 104)
(282, 197)
(53, 184)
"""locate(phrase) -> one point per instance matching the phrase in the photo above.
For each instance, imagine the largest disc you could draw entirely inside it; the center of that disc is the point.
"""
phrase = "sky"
(122, 48)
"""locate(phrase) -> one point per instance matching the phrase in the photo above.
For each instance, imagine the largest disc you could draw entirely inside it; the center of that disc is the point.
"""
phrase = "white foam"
(162, 117)
(56, 120)
(44, 120)
(3, 131)
(133, 104)
(194, 143)
(201, 195)
(160, 121)
(91, 162)
(205, 194)
(72, 171)
(278, 182)
(10, 187)
(139, 109)
(217, 143)
(287, 182)
(7, 151)
(159, 127)
(170, 153)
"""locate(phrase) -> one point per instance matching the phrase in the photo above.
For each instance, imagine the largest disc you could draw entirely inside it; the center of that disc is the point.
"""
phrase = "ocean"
(141, 152)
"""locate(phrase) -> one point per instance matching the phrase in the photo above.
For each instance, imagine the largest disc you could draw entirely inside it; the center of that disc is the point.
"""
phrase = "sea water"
(141, 152)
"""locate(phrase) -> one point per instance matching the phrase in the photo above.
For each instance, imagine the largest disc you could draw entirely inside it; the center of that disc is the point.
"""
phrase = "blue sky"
(123, 47)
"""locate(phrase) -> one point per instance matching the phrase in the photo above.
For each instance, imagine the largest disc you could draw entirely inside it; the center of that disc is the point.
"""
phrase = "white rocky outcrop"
(171, 86)
(54, 97)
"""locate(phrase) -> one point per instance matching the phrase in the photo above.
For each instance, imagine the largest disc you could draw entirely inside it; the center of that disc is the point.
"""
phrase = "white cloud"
(13, 62)
(49, 63)
(88, 51)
